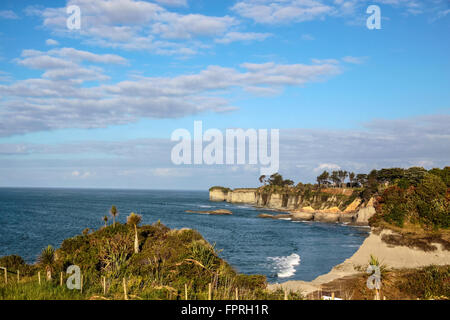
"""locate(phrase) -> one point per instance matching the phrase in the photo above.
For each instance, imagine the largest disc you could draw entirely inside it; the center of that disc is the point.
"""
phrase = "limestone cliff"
(327, 205)
(218, 194)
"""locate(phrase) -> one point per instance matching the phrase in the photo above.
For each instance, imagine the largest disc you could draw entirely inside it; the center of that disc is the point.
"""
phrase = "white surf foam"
(285, 266)
(246, 207)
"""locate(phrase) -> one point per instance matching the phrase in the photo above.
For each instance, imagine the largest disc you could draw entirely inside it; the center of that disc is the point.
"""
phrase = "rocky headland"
(326, 205)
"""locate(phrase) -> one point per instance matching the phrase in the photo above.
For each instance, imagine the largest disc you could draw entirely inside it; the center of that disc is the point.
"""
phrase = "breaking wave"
(285, 266)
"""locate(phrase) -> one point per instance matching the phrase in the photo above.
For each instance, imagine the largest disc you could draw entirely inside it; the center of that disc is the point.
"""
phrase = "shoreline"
(392, 256)
(333, 205)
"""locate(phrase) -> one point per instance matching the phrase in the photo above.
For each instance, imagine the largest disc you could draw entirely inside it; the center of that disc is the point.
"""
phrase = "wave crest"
(285, 266)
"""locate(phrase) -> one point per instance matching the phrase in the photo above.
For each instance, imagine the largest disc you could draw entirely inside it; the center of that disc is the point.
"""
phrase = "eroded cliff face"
(321, 201)
(247, 196)
(218, 195)
(329, 205)
(316, 200)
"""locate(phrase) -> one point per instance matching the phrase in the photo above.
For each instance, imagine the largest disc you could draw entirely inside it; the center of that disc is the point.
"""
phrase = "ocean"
(32, 218)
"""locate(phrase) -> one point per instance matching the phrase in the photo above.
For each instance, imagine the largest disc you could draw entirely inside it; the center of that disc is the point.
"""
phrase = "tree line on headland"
(413, 196)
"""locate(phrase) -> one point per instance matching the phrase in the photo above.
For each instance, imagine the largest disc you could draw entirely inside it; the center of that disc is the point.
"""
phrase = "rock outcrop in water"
(326, 205)
(213, 212)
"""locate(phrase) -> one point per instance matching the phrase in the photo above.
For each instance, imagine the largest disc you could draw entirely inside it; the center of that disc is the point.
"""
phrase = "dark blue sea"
(31, 219)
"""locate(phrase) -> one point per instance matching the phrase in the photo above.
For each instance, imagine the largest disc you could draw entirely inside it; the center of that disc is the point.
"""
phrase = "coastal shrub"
(426, 204)
(251, 281)
(204, 254)
(404, 183)
(12, 262)
(444, 174)
(223, 189)
(427, 283)
(168, 260)
(393, 204)
(432, 203)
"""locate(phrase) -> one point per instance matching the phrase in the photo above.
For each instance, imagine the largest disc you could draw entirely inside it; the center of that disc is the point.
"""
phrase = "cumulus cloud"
(59, 99)
(138, 25)
(51, 42)
(281, 11)
(176, 26)
(289, 11)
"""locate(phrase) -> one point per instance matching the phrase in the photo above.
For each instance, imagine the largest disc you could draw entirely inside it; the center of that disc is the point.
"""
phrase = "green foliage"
(31, 290)
(444, 174)
(204, 254)
(276, 179)
(427, 203)
(371, 187)
(428, 283)
(374, 261)
(251, 281)
(12, 262)
(323, 178)
(47, 257)
(134, 219)
(431, 202)
(393, 202)
(223, 189)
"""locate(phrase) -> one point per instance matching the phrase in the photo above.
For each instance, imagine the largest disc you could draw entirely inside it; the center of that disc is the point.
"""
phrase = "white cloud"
(176, 26)
(171, 172)
(81, 175)
(51, 42)
(8, 14)
(291, 11)
(137, 25)
(327, 166)
(59, 98)
(175, 3)
(5, 76)
(281, 11)
(243, 36)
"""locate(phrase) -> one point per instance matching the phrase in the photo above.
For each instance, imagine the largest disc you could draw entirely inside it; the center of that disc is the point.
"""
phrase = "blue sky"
(95, 107)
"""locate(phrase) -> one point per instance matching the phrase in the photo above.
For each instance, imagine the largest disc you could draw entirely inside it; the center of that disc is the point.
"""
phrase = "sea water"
(31, 219)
